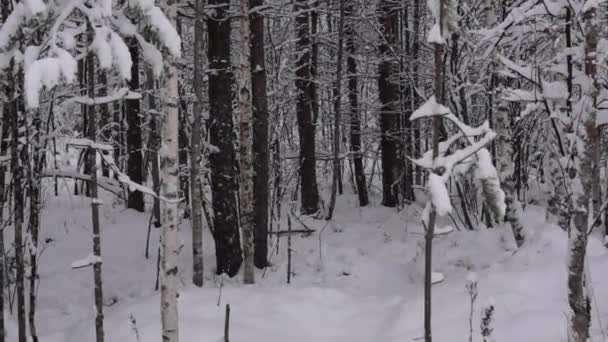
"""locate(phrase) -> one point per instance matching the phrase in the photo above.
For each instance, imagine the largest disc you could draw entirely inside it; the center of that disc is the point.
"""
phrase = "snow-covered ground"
(357, 278)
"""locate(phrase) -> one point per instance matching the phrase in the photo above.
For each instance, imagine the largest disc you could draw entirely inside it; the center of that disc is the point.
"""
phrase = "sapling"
(471, 286)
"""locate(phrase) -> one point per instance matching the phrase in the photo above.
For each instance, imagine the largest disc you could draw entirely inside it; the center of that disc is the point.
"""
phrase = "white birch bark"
(169, 190)
(246, 171)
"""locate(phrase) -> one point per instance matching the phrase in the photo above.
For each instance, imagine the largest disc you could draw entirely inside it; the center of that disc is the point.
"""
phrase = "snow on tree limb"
(47, 73)
(428, 109)
(86, 261)
(440, 197)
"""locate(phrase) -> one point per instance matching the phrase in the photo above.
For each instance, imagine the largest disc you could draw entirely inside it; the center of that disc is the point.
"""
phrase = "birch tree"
(170, 187)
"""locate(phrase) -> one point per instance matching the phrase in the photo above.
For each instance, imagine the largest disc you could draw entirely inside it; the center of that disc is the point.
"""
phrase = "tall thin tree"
(261, 159)
(195, 151)
(134, 144)
(245, 140)
(221, 135)
(169, 188)
(388, 94)
(95, 201)
(306, 128)
(337, 115)
(353, 98)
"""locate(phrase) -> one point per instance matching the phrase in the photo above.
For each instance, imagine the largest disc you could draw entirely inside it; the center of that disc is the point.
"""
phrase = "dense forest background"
(254, 122)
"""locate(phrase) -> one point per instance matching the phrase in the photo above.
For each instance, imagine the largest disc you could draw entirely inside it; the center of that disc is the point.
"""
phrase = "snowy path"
(366, 287)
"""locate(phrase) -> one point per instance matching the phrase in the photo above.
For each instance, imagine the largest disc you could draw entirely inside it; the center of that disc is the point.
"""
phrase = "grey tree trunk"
(221, 134)
(245, 137)
(388, 95)
(35, 179)
(95, 201)
(17, 171)
(135, 164)
(154, 144)
(337, 117)
(355, 113)
(304, 110)
(261, 190)
(430, 230)
(195, 151)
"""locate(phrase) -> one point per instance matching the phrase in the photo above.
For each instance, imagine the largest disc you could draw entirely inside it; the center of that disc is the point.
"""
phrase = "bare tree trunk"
(195, 151)
(306, 127)
(5, 110)
(245, 137)
(578, 298)
(261, 157)
(337, 108)
(35, 178)
(134, 145)
(6, 121)
(17, 171)
(95, 201)
(504, 147)
(154, 144)
(221, 135)
(169, 190)
(104, 118)
(389, 117)
(353, 97)
(430, 230)
(415, 97)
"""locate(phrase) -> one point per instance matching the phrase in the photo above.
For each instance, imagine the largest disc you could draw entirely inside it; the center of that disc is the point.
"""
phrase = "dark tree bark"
(95, 202)
(306, 128)
(17, 171)
(416, 99)
(134, 144)
(104, 117)
(261, 191)
(154, 144)
(184, 148)
(4, 144)
(6, 120)
(337, 112)
(389, 116)
(195, 152)
(353, 98)
(221, 130)
(34, 179)
(407, 89)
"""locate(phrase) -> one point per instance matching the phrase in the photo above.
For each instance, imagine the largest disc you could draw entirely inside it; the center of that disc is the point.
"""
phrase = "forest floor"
(357, 278)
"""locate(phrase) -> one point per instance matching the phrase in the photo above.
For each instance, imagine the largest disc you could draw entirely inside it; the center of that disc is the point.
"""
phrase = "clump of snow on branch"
(492, 194)
(439, 194)
(47, 73)
(12, 25)
(429, 108)
(102, 48)
(166, 32)
(122, 57)
(152, 56)
(86, 261)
